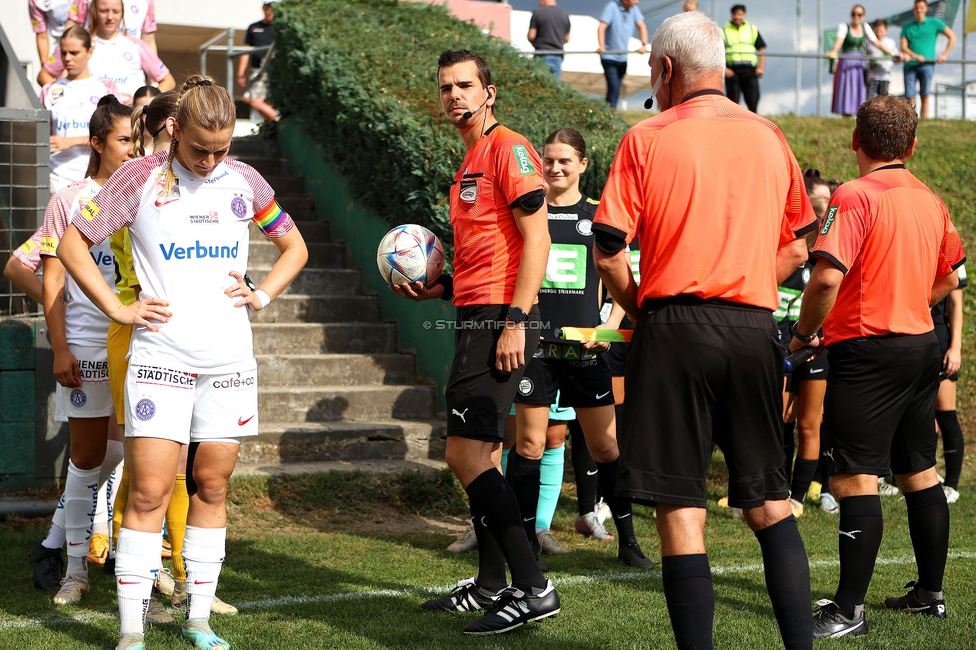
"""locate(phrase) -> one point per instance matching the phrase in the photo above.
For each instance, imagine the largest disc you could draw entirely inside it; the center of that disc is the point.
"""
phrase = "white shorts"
(93, 399)
(188, 407)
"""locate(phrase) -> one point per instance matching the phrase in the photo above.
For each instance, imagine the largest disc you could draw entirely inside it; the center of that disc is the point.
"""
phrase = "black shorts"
(814, 369)
(945, 337)
(617, 357)
(479, 397)
(703, 372)
(581, 384)
(879, 410)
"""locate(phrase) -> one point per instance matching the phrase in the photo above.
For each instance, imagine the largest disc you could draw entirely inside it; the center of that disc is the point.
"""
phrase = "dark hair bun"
(108, 99)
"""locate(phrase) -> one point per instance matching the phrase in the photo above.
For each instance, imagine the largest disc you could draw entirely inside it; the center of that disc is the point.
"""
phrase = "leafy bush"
(360, 76)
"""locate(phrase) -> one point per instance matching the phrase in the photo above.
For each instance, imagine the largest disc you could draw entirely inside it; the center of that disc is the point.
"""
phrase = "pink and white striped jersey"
(84, 323)
(29, 253)
(184, 246)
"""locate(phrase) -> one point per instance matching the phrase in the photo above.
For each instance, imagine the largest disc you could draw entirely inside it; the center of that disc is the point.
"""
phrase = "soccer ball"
(410, 253)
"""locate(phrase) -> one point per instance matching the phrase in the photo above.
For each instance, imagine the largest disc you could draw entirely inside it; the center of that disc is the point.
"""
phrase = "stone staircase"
(332, 385)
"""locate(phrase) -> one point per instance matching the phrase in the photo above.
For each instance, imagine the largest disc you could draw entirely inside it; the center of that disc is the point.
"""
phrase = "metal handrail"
(782, 55)
(233, 52)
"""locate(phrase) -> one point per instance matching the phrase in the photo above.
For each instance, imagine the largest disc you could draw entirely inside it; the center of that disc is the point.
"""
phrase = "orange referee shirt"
(499, 170)
(891, 236)
(712, 191)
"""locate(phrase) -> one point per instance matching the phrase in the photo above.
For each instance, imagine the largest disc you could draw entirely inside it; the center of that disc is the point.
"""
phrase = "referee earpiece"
(467, 115)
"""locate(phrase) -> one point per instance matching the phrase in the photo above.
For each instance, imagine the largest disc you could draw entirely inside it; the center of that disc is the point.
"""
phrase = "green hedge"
(360, 75)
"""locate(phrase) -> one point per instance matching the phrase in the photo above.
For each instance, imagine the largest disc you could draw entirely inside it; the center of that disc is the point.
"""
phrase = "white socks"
(136, 564)
(203, 553)
(80, 495)
(55, 536)
(114, 452)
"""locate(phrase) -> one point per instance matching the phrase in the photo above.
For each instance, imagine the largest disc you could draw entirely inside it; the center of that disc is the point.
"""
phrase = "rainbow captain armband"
(273, 221)
(594, 334)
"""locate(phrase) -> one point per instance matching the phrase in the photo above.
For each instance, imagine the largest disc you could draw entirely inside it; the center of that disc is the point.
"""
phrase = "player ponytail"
(102, 121)
(569, 137)
(152, 119)
(206, 104)
(78, 33)
(137, 125)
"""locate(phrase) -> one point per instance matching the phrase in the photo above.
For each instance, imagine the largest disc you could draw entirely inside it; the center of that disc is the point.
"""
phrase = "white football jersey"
(71, 104)
(184, 246)
(84, 323)
(126, 61)
(49, 16)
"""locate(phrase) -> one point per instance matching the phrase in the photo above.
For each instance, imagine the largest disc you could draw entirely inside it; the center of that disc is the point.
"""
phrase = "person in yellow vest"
(744, 62)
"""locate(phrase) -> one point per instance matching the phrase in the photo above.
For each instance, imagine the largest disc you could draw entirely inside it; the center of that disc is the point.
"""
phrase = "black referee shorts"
(583, 383)
(703, 372)
(479, 397)
(879, 410)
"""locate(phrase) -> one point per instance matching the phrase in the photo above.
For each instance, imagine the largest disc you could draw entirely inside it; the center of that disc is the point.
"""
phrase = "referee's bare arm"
(943, 286)
(789, 257)
(818, 299)
(534, 226)
(615, 271)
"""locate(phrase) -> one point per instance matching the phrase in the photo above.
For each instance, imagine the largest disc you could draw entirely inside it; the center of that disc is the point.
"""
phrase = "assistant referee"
(886, 253)
(719, 228)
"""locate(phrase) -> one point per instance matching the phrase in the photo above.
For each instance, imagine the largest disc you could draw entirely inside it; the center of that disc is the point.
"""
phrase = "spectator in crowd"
(690, 5)
(705, 367)
(250, 71)
(119, 57)
(744, 62)
(549, 30)
(72, 100)
(141, 23)
(918, 41)
(887, 252)
(617, 24)
(849, 77)
(879, 69)
(48, 18)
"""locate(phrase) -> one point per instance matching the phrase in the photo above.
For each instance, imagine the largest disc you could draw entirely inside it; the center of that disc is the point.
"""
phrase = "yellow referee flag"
(971, 17)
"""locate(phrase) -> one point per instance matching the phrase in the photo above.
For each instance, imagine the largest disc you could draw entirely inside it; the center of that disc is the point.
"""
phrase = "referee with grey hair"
(719, 229)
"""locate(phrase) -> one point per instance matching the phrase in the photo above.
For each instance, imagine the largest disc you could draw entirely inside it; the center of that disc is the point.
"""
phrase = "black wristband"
(447, 282)
(803, 339)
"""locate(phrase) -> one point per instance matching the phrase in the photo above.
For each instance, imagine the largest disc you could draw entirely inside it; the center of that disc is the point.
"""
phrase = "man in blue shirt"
(617, 24)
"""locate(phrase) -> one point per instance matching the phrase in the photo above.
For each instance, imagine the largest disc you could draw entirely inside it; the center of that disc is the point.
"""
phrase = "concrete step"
(286, 186)
(350, 403)
(266, 165)
(300, 203)
(307, 370)
(306, 442)
(313, 231)
(389, 466)
(299, 308)
(315, 338)
(263, 253)
(318, 282)
(254, 147)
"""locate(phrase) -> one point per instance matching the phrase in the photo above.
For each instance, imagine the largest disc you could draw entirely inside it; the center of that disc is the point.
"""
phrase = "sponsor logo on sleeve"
(522, 158)
(90, 211)
(49, 245)
(829, 219)
(29, 246)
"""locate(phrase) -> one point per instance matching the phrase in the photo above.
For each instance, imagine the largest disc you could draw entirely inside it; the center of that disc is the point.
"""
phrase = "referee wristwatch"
(802, 338)
(517, 315)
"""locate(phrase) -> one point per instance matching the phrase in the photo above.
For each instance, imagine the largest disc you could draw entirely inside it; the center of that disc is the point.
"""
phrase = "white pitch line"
(10, 623)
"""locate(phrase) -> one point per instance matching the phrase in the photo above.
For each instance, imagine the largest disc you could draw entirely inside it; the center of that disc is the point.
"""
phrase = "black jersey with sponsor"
(570, 295)
(791, 298)
(939, 311)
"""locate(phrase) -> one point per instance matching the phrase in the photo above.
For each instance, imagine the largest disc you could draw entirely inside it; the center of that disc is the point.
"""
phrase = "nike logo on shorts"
(242, 421)
(602, 396)
(814, 371)
(593, 473)
(528, 519)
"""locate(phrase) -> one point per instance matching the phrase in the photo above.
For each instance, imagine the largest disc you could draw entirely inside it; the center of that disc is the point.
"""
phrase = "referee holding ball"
(886, 253)
(719, 228)
(501, 244)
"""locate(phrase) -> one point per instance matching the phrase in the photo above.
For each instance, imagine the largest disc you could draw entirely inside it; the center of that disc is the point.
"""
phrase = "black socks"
(953, 446)
(691, 600)
(523, 475)
(788, 581)
(928, 523)
(858, 540)
(495, 510)
(584, 467)
(803, 471)
(619, 507)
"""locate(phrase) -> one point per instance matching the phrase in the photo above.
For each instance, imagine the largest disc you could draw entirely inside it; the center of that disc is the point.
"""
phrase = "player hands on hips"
(501, 245)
